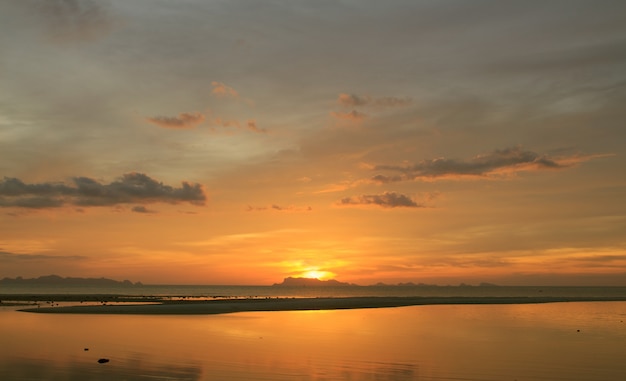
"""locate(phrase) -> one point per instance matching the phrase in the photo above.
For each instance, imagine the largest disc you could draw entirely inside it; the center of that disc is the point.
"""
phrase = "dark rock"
(103, 361)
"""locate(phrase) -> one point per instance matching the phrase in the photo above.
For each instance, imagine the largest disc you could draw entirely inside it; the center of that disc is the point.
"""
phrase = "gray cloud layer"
(499, 161)
(130, 188)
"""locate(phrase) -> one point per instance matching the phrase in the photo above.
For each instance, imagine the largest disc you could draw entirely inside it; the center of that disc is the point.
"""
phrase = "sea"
(470, 342)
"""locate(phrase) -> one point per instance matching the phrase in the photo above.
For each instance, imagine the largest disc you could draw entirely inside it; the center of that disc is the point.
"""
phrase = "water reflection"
(130, 369)
(582, 341)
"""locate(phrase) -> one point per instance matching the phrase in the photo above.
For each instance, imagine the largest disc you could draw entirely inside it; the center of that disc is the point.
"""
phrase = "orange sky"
(241, 143)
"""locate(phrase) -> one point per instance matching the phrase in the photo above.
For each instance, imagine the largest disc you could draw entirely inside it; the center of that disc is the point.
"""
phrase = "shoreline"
(161, 306)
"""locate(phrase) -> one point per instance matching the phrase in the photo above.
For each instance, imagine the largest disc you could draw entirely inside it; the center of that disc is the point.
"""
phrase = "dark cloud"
(182, 121)
(353, 100)
(508, 160)
(385, 200)
(84, 191)
(15, 187)
(32, 202)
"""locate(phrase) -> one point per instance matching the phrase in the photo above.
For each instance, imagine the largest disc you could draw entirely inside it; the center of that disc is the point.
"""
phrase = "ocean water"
(555, 341)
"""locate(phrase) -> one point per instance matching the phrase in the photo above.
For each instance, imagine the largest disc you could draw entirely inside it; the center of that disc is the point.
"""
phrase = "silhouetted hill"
(314, 282)
(311, 282)
(55, 280)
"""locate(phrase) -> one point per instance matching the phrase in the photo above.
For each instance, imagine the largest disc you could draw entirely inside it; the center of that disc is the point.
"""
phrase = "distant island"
(311, 282)
(314, 282)
(55, 280)
(411, 284)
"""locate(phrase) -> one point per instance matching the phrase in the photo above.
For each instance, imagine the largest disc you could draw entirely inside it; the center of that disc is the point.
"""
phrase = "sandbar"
(165, 307)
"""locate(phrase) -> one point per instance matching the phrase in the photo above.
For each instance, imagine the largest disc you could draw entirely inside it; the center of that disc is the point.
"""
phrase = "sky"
(242, 142)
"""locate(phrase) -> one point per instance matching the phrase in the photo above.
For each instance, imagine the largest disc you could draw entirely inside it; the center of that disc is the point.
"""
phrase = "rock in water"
(103, 361)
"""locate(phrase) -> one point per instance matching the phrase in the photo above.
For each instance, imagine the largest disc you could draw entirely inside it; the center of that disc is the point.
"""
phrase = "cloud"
(382, 179)
(84, 191)
(32, 202)
(142, 209)
(12, 257)
(498, 162)
(182, 121)
(385, 200)
(250, 124)
(279, 208)
(353, 115)
(606, 260)
(221, 90)
(73, 20)
(353, 100)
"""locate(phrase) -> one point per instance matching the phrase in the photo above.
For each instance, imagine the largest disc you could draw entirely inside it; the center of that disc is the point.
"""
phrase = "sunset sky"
(242, 142)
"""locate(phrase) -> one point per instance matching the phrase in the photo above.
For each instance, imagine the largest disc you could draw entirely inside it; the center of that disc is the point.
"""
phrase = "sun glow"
(321, 275)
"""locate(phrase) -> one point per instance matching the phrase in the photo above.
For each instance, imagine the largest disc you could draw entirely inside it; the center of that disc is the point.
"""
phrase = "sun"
(317, 274)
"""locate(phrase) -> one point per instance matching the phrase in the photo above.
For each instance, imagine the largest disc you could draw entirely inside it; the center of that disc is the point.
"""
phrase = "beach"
(154, 305)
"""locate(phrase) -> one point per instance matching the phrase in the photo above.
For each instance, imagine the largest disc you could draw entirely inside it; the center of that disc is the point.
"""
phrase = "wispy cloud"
(606, 260)
(385, 200)
(353, 100)
(250, 124)
(73, 20)
(221, 90)
(14, 257)
(353, 115)
(84, 191)
(358, 102)
(182, 121)
(142, 209)
(278, 208)
(498, 162)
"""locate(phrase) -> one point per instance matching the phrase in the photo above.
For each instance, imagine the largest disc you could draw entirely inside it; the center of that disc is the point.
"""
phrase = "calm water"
(559, 341)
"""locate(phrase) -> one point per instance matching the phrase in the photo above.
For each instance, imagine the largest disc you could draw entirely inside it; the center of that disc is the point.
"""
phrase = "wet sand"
(158, 306)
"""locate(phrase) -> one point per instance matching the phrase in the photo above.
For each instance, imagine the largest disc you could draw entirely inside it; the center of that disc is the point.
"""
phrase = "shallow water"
(558, 341)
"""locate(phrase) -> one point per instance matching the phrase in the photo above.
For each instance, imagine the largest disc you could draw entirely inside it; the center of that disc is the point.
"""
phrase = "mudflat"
(157, 306)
